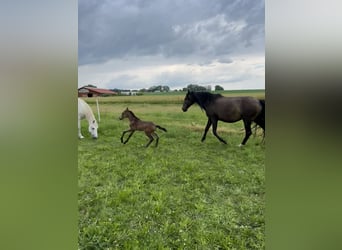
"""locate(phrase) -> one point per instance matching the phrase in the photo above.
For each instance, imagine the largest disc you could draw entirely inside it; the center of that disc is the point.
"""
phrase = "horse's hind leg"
(248, 132)
(256, 127)
(150, 141)
(157, 138)
(260, 121)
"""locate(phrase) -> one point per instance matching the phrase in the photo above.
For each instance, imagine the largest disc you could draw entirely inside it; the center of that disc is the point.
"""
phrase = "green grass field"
(184, 194)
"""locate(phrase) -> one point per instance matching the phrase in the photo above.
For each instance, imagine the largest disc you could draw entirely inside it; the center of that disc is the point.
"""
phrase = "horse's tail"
(161, 128)
(260, 119)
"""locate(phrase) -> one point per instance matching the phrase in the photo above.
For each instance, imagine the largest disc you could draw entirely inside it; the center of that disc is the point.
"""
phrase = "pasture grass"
(184, 194)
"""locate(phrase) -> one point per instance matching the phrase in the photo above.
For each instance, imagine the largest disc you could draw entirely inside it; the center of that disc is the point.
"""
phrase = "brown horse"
(228, 109)
(136, 124)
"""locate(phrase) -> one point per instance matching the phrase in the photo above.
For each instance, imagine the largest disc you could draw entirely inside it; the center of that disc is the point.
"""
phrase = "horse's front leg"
(79, 129)
(214, 131)
(123, 134)
(129, 136)
(206, 129)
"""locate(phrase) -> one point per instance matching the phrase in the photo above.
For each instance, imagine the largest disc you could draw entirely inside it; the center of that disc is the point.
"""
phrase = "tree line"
(165, 88)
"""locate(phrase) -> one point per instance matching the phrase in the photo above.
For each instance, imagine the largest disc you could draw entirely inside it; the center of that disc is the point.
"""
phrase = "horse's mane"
(134, 116)
(205, 98)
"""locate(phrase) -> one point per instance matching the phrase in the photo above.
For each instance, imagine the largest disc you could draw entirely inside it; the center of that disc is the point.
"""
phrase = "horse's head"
(188, 101)
(93, 126)
(124, 114)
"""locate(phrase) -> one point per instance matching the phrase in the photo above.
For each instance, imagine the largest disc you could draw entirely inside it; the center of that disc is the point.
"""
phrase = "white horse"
(85, 112)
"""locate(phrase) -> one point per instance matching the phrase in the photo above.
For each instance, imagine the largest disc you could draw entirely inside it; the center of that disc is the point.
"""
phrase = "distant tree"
(116, 90)
(166, 88)
(161, 88)
(151, 89)
(195, 87)
(154, 88)
(218, 87)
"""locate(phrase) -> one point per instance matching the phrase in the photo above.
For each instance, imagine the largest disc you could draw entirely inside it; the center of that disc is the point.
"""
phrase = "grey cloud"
(173, 79)
(181, 29)
(225, 60)
(129, 80)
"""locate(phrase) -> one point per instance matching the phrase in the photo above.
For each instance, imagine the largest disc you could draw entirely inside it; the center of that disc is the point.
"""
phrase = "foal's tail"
(260, 119)
(161, 128)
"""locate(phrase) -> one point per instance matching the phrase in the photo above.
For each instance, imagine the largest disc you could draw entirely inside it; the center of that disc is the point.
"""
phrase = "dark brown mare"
(228, 109)
(136, 124)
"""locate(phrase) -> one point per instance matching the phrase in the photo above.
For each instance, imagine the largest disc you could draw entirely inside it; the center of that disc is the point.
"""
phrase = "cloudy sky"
(134, 44)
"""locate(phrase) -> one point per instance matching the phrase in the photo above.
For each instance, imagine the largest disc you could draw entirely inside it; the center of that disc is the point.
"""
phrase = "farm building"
(86, 91)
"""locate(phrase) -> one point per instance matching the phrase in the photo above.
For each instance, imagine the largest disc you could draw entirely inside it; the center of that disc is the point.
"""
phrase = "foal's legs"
(129, 136)
(122, 136)
(157, 138)
(214, 131)
(151, 139)
(206, 129)
(248, 131)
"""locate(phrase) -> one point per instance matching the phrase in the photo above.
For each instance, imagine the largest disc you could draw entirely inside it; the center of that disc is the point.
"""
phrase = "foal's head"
(125, 114)
(188, 101)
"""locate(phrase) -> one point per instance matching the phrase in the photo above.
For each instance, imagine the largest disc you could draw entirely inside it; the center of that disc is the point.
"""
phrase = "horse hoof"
(240, 145)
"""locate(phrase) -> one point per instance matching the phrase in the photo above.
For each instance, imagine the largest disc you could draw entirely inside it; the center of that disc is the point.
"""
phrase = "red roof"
(99, 91)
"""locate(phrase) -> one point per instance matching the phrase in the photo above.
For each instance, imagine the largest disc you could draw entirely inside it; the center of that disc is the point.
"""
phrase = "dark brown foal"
(136, 124)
